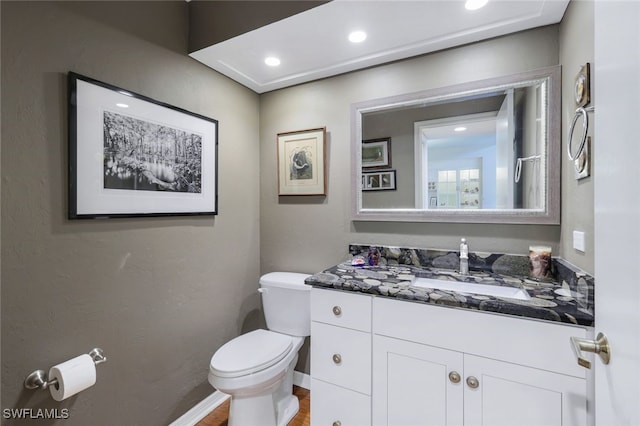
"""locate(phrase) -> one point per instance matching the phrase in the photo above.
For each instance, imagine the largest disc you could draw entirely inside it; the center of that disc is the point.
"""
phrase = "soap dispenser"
(464, 257)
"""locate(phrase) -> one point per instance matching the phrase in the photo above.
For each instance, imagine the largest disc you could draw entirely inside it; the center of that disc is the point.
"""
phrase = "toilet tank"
(286, 300)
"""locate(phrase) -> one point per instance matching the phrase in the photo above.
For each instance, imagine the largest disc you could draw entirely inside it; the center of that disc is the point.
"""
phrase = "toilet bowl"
(256, 368)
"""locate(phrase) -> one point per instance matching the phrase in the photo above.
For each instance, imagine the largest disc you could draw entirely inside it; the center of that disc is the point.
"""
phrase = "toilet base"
(274, 406)
(287, 410)
(259, 411)
(252, 410)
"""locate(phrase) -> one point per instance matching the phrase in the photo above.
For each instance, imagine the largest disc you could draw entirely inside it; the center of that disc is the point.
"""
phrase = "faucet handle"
(464, 249)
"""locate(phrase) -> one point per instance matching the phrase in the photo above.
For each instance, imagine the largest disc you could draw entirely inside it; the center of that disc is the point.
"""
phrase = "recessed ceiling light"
(357, 36)
(460, 129)
(475, 4)
(122, 105)
(272, 61)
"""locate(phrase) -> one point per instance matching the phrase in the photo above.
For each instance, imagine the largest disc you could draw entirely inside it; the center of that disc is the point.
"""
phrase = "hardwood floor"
(220, 416)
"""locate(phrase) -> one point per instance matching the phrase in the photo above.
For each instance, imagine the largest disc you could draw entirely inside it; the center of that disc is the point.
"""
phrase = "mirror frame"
(550, 215)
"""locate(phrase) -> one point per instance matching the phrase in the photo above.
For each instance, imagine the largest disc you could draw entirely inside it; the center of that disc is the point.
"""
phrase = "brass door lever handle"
(599, 346)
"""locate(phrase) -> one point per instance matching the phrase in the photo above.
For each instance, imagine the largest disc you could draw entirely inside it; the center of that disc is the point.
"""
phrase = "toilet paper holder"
(39, 380)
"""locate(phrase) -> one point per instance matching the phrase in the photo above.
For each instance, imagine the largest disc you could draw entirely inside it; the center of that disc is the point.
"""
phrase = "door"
(505, 135)
(617, 214)
(415, 384)
(503, 394)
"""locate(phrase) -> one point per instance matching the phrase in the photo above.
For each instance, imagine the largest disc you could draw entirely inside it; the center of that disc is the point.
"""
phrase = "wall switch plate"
(578, 241)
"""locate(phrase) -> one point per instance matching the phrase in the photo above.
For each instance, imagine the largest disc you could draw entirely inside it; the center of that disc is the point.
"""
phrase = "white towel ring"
(519, 161)
(580, 112)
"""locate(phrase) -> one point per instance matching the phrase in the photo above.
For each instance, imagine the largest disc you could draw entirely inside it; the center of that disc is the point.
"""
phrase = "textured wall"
(161, 295)
(212, 22)
(158, 295)
(576, 49)
(309, 234)
(321, 227)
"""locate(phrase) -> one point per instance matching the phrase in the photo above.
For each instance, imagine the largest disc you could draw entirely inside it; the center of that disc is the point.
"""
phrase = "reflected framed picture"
(131, 156)
(376, 153)
(379, 180)
(582, 86)
(302, 162)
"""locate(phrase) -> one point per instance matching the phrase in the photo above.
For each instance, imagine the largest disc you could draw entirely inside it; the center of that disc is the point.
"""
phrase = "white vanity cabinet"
(340, 358)
(404, 363)
(438, 366)
(508, 394)
(411, 387)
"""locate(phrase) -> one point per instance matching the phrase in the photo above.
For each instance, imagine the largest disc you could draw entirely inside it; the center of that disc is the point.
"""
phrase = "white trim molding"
(302, 380)
(213, 401)
(201, 410)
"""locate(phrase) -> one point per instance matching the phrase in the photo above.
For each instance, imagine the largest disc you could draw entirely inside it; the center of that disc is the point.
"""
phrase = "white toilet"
(256, 369)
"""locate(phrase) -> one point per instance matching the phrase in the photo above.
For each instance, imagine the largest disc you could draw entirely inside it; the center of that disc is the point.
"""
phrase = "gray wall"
(158, 295)
(399, 128)
(161, 295)
(310, 234)
(576, 48)
(287, 225)
(212, 22)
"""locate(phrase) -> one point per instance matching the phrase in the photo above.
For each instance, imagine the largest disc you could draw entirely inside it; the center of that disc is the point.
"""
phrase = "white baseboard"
(210, 403)
(201, 410)
(302, 380)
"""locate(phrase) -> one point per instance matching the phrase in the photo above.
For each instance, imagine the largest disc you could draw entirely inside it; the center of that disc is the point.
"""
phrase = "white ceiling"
(313, 44)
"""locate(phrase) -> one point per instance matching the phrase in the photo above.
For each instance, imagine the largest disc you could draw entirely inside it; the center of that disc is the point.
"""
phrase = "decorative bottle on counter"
(373, 256)
(540, 262)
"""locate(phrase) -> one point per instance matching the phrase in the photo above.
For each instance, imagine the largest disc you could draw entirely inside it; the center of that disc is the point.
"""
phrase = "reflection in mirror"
(486, 151)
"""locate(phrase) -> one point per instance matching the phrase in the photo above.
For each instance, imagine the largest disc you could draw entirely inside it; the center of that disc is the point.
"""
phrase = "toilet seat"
(250, 353)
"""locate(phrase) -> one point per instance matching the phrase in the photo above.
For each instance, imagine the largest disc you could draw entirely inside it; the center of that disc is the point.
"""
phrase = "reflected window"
(447, 189)
(457, 189)
(470, 185)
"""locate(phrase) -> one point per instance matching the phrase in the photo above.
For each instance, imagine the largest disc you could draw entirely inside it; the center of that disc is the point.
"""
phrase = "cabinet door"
(509, 394)
(411, 384)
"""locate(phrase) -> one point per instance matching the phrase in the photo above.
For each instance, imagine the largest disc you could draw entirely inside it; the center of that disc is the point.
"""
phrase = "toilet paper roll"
(73, 376)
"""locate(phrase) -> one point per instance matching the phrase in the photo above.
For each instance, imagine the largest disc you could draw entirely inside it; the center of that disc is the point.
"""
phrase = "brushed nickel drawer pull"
(337, 359)
(337, 311)
(337, 423)
(472, 382)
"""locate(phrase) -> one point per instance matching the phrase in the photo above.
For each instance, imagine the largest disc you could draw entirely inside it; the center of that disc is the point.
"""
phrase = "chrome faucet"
(464, 257)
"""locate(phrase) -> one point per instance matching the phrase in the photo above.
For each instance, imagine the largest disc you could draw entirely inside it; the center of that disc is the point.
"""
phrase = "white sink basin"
(462, 287)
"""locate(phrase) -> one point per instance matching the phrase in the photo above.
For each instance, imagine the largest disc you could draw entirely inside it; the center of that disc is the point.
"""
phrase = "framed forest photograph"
(130, 155)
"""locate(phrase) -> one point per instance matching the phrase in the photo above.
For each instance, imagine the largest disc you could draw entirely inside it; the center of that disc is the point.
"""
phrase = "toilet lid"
(250, 352)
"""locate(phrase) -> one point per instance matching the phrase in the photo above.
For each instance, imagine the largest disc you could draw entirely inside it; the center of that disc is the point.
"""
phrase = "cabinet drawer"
(342, 309)
(538, 344)
(331, 404)
(341, 356)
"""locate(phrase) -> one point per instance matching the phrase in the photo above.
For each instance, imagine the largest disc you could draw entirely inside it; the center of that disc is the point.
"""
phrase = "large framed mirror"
(480, 152)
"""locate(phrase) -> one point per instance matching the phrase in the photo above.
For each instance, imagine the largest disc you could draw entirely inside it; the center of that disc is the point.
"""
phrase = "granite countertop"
(566, 298)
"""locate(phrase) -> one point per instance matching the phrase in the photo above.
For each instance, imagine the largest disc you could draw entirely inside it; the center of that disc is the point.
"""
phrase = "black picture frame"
(134, 156)
(379, 180)
(376, 153)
